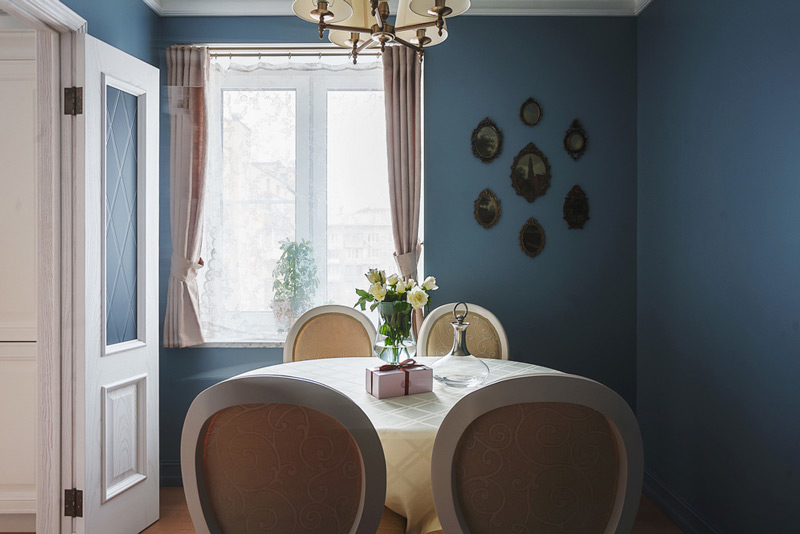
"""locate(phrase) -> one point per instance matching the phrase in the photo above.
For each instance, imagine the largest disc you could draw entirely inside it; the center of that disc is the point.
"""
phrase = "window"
(297, 151)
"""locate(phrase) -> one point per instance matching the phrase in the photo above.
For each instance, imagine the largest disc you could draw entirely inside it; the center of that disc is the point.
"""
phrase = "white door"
(115, 426)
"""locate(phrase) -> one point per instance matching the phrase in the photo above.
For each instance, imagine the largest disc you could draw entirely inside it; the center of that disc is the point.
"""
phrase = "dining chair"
(539, 453)
(330, 331)
(486, 337)
(281, 454)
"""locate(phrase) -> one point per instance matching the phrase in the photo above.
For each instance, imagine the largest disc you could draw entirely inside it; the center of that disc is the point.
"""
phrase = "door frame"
(57, 65)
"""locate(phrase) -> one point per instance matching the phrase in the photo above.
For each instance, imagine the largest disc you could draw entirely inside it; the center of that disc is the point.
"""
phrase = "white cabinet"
(18, 282)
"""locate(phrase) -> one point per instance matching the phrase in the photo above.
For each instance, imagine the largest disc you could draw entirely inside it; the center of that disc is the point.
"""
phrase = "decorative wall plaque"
(531, 238)
(530, 173)
(576, 208)
(531, 112)
(575, 140)
(487, 208)
(487, 140)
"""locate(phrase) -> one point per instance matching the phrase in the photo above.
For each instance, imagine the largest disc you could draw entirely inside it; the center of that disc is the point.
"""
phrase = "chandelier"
(363, 24)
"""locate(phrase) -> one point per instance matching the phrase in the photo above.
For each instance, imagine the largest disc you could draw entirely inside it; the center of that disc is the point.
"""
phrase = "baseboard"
(171, 475)
(17, 522)
(683, 515)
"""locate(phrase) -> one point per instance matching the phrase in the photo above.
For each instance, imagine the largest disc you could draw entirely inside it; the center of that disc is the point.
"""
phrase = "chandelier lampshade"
(310, 9)
(406, 17)
(359, 19)
(362, 24)
(429, 8)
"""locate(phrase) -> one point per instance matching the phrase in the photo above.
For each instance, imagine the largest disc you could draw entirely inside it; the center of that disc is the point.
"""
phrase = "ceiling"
(177, 8)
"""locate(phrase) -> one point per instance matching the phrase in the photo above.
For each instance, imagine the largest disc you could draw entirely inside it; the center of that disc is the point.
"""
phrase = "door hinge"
(73, 101)
(73, 503)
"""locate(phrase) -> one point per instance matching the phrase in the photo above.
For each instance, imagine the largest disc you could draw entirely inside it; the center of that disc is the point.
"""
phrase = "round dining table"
(406, 425)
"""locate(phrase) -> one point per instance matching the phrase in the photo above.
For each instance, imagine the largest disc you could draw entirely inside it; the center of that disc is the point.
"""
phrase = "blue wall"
(718, 260)
(573, 307)
(128, 25)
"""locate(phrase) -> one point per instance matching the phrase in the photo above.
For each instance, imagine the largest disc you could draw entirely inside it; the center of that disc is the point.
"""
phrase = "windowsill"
(242, 345)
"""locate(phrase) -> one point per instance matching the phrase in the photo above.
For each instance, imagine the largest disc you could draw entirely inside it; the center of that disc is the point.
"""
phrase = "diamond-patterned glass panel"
(121, 223)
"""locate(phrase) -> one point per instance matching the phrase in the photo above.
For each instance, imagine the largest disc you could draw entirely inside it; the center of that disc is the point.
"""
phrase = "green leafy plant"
(295, 275)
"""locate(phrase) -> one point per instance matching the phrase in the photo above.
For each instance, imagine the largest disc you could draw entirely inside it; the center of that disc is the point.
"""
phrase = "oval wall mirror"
(530, 112)
(531, 238)
(487, 208)
(576, 208)
(530, 173)
(487, 140)
(575, 140)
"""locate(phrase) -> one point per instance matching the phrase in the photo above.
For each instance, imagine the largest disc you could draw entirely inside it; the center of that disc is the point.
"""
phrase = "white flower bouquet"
(395, 299)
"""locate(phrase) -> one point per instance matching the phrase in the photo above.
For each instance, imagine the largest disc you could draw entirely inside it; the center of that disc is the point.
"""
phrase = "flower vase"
(394, 342)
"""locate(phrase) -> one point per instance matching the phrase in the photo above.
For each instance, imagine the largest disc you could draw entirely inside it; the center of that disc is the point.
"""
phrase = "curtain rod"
(284, 51)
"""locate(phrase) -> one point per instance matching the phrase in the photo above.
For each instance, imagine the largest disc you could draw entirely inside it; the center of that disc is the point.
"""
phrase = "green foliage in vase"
(295, 275)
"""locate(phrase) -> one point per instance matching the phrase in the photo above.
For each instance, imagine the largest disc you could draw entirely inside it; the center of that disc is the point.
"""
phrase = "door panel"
(116, 346)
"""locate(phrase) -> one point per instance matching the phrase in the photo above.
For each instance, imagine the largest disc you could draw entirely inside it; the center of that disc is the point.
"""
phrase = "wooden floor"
(175, 516)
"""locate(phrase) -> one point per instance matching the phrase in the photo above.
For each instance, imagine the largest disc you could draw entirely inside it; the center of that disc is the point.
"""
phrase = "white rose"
(401, 287)
(417, 298)
(429, 284)
(378, 291)
(410, 283)
(392, 280)
(374, 276)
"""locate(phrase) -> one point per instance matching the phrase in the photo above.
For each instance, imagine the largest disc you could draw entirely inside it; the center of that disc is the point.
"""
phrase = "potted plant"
(295, 282)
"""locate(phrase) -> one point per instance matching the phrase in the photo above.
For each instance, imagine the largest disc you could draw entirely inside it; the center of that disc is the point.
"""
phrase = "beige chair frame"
(548, 387)
(287, 390)
(288, 347)
(447, 309)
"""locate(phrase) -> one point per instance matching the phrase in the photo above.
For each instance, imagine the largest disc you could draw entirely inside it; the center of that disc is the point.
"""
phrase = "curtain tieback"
(183, 269)
(407, 262)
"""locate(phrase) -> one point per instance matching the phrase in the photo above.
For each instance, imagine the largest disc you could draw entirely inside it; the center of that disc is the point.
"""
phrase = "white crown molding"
(155, 5)
(641, 5)
(271, 8)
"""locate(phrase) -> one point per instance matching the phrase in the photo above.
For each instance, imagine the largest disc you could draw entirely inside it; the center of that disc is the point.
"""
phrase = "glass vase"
(459, 368)
(394, 342)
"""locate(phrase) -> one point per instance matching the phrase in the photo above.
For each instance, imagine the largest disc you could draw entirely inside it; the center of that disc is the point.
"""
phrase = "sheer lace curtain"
(260, 191)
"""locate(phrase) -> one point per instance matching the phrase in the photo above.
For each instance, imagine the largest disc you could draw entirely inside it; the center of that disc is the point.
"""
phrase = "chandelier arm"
(366, 44)
(351, 29)
(407, 44)
(419, 26)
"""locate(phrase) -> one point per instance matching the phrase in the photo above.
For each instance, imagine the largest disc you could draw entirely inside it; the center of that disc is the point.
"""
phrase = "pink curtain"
(402, 86)
(187, 71)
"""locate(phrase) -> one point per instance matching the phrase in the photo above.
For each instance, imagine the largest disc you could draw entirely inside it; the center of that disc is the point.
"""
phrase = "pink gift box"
(398, 380)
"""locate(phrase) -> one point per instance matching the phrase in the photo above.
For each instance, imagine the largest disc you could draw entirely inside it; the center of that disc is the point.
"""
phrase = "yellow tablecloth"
(406, 425)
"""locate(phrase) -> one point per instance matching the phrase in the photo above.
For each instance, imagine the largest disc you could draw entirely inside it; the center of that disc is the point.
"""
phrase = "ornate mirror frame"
(576, 208)
(487, 122)
(525, 105)
(534, 188)
(487, 195)
(529, 247)
(576, 129)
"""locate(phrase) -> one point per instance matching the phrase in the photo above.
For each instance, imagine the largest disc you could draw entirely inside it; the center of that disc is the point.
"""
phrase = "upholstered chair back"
(329, 332)
(287, 467)
(486, 337)
(550, 453)
(276, 454)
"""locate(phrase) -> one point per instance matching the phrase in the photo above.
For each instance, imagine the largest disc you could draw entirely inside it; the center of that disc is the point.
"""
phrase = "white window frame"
(310, 87)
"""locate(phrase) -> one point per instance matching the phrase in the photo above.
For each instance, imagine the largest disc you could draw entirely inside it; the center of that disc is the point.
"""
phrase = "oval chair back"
(486, 337)
(540, 453)
(331, 331)
(281, 454)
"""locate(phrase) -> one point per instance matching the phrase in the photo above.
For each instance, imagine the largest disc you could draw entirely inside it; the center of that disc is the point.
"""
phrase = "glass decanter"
(459, 368)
